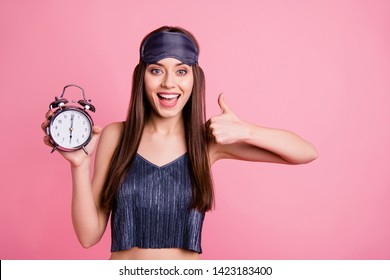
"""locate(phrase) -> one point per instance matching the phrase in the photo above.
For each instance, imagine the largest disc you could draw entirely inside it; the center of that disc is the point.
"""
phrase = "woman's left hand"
(236, 139)
(226, 128)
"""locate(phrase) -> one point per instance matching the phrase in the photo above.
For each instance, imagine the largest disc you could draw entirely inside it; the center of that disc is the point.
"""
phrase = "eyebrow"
(162, 65)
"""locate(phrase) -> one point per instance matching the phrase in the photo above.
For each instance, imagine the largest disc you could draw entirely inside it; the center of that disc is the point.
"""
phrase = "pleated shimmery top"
(151, 208)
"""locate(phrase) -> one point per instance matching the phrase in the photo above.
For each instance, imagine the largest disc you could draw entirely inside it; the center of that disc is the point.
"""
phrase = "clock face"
(71, 129)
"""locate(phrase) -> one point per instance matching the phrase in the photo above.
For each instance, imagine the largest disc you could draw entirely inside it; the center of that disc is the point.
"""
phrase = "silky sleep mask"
(169, 44)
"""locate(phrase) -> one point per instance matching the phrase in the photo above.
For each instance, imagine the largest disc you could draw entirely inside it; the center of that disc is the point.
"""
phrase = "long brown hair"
(195, 134)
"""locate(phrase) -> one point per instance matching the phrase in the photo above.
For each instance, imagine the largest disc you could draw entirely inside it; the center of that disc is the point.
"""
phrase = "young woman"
(152, 172)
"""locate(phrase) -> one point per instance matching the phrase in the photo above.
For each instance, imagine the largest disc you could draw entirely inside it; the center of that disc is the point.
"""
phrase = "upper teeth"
(168, 96)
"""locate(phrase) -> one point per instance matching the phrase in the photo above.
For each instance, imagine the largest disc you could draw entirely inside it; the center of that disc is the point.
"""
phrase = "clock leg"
(54, 148)
(84, 149)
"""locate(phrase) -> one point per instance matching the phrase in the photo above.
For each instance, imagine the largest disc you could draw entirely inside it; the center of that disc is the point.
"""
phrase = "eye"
(155, 71)
(182, 72)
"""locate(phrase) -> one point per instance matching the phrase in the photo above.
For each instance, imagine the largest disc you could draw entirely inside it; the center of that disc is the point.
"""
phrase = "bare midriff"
(136, 253)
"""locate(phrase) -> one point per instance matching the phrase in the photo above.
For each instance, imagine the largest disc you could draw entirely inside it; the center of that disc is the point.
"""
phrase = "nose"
(169, 81)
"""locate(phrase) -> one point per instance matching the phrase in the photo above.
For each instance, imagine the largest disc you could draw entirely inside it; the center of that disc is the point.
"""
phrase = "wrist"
(247, 132)
(80, 162)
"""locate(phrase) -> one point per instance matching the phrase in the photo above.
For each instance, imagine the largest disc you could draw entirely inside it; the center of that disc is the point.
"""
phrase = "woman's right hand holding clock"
(76, 158)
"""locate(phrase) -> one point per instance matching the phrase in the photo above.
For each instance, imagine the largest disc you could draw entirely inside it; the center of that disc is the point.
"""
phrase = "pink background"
(319, 68)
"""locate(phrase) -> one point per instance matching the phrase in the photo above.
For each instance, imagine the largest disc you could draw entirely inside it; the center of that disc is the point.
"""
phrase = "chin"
(171, 115)
(169, 112)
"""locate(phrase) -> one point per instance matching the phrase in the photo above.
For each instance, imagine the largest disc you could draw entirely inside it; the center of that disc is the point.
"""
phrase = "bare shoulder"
(114, 129)
(109, 140)
(111, 134)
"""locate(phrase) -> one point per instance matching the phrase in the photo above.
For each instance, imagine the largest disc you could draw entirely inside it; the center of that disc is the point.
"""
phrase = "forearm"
(85, 210)
(286, 144)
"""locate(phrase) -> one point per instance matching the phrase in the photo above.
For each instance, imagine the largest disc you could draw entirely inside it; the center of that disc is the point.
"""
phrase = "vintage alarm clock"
(70, 126)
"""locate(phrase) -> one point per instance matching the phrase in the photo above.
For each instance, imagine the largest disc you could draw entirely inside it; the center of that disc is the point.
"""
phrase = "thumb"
(222, 104)
(96, 129)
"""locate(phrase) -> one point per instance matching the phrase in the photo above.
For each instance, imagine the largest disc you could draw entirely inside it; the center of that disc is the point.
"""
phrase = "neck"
(166, 126)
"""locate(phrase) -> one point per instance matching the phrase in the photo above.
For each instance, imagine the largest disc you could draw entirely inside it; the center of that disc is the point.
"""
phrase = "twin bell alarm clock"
(70, 127)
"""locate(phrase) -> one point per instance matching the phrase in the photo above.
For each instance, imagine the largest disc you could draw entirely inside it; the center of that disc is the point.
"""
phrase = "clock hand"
(71, 128)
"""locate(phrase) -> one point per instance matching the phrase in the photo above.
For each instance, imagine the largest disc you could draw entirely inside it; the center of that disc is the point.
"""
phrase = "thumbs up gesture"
(226, 128)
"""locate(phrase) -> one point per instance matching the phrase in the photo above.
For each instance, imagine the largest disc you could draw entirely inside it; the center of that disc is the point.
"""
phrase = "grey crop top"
(151, 208)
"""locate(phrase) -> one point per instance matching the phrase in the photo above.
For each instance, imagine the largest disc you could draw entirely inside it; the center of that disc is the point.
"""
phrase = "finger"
(44, 125)
(49, 114)
(222, 104)
(96, 129)
(46, 140)
(209, 131)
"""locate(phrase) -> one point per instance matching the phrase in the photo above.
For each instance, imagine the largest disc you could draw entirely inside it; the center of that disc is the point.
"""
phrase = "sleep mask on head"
(169, 44)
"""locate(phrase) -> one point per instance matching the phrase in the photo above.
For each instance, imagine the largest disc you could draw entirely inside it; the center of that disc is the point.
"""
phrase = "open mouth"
(168, 96)
(168, 99)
